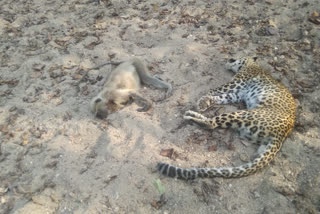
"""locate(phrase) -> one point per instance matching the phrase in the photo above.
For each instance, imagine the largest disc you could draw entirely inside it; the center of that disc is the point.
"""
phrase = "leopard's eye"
(231, 60)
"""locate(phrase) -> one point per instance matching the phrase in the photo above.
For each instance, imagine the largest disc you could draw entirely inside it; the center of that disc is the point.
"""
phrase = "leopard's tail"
(249, 168)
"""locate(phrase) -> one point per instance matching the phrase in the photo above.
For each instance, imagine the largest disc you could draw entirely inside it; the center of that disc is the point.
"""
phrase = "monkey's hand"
(144, 104)
(169, 91)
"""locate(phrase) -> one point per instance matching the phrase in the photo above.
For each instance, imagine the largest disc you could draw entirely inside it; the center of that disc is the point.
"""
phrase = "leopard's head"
(236, 65)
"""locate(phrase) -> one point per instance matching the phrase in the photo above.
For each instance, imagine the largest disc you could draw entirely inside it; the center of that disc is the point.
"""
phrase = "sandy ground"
(55, 157)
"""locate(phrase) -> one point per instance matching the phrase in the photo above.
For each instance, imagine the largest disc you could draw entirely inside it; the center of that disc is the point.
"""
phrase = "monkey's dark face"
(101, 109)
(104, 107)
(102, 114)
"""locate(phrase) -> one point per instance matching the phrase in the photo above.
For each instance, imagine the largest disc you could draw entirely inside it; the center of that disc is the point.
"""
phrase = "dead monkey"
(122, 87)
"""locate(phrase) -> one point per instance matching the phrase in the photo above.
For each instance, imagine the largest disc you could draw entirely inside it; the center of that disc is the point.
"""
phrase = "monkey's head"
(101, 107)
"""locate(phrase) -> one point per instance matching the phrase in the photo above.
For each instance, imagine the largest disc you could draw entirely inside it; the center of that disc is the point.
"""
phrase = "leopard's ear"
(255, 58)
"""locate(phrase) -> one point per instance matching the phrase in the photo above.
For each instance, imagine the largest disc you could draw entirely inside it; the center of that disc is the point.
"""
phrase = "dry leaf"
(166, 152)
(315, 18)
(157, 204)
(212, 148)
(170, 153)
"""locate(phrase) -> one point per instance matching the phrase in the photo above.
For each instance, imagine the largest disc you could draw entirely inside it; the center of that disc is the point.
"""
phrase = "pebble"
(272, 30)
(306, 41)
(256, 194)
(3, 190)
(292, 33)
(244, 158)
(13, 108)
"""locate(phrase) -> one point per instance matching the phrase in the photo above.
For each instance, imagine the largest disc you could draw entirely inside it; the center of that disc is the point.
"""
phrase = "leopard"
(267, 120)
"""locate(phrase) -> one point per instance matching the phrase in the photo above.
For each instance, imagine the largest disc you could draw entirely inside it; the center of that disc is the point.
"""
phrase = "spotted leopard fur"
(269, 118)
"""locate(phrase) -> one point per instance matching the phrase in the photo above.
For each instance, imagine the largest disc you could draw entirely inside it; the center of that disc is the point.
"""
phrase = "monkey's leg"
(120, 97)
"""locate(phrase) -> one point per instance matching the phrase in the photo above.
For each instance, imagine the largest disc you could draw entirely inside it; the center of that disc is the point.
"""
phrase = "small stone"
(13, 108)
(185, 35)
(256, 194)
(3, 190)
(52, 164)
(3, 200)
(38, 67)
(244, 158)
(272, 30)
(37, 134)
(292, 34)
(30, 99)
(306, 42)
(272, 23)
(285, 190)
(268, 2)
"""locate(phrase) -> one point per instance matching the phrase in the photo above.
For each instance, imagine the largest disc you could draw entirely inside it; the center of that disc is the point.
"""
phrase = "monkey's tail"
(104, 64)
(146, 78)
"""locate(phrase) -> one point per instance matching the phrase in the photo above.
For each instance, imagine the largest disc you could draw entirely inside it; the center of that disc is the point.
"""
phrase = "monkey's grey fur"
(123, 85)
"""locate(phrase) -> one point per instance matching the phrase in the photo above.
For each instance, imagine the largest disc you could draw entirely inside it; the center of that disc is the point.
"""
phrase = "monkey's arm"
(144, 104)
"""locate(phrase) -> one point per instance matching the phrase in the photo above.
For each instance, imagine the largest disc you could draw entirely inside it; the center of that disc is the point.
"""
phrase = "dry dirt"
(55, 157)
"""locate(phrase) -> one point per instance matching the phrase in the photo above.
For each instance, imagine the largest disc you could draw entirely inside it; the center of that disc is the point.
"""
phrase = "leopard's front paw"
(205, 102)
(192, 115)
(198, 119)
